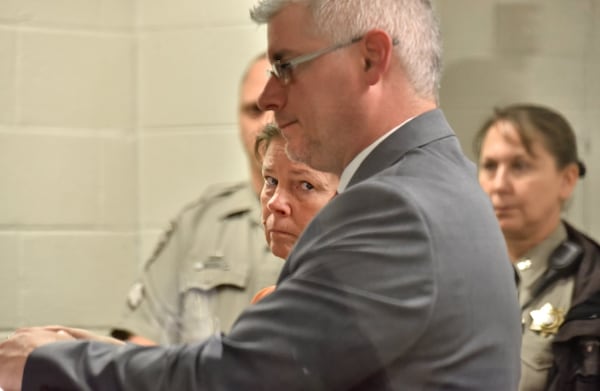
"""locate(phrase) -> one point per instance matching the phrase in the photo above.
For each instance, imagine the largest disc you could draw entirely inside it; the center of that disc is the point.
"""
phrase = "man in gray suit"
(401, 283)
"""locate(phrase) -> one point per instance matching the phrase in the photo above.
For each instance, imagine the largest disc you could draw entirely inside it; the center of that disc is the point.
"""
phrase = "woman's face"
(527, 189)
(291, 195)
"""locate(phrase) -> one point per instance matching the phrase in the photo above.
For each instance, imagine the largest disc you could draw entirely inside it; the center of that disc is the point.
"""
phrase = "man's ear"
(376, 50)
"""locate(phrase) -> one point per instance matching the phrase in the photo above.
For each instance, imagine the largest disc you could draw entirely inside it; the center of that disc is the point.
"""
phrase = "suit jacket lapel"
(418, 132)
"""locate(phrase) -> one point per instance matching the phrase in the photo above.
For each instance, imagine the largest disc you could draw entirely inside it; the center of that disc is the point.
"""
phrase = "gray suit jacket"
(401, 283)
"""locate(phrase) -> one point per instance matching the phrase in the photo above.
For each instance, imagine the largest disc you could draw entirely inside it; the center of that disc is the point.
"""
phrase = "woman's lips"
(280, 232)
(503, 209)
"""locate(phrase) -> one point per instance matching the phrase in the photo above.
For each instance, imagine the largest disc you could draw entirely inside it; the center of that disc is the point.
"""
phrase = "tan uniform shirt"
(205, 271)
(554, 302)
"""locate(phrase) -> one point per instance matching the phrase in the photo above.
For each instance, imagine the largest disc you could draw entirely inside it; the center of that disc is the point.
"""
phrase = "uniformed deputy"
(213, 258)
(205, 270)
(528, 165)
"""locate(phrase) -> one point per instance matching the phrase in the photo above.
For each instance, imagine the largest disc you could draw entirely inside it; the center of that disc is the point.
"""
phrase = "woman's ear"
(376, 48)
(570, 176)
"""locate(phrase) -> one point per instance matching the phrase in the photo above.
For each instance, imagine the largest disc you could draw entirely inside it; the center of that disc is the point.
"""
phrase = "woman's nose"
(279, 203)
(501, 180)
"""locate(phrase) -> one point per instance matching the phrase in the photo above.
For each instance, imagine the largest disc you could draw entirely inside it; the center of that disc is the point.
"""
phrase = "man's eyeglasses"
(283, 70)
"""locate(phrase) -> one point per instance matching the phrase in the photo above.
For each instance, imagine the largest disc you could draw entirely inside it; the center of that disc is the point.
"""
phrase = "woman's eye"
(488, 166)
(270, 181)
(306, 186)
(520, 165)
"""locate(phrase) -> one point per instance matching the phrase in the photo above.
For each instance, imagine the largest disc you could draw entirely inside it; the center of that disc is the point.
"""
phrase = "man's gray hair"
(412, 22)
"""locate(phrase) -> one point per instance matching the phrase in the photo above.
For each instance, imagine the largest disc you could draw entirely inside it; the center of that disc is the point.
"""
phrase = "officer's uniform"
(544, 314)
(204, 271)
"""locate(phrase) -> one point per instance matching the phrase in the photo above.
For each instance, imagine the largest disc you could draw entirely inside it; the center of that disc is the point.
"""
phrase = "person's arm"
(16, 349)
(347, 307)
(261, 294)
(77, 333)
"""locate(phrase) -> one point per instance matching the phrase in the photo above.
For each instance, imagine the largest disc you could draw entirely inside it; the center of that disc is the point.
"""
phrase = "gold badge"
(546, 320)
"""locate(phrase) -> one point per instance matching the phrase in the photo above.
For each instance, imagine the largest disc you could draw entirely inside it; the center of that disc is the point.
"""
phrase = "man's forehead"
(301, 44)
(278, 42)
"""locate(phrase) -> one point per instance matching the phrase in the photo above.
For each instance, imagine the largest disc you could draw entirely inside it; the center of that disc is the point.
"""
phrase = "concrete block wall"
(113, 115)
(192, 54)
(539, 51)
(68, 165)
(116, 113)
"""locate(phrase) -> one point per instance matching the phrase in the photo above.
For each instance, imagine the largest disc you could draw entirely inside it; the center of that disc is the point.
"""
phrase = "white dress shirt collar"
(353, 166)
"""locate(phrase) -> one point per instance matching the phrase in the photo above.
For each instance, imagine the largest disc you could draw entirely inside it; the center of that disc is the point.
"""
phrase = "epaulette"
(219, 196)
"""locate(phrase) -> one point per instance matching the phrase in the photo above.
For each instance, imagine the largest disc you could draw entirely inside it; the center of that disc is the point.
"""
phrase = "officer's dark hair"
(531, 121)
(264, 138)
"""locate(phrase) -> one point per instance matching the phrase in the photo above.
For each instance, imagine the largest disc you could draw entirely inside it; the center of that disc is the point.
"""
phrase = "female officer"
(528, 165)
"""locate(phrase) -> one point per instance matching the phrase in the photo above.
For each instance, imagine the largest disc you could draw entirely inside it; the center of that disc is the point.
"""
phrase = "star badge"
(546, 319)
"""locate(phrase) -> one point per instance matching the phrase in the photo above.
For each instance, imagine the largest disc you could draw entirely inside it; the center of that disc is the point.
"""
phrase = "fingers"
(70, 332)
(48, 334)
(62, 333)
(64, 336)
(75, 333)
(84, 334)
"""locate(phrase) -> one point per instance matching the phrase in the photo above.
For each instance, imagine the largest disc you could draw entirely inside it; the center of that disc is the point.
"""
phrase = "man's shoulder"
(217, 203)
(227, 189)
(222, 199)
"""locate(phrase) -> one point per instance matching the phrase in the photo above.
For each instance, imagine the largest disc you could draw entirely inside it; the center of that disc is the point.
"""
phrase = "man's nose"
(273, 95)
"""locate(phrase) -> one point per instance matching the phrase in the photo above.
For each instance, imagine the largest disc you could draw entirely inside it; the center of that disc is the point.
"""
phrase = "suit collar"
(354, 165)
(420, 131)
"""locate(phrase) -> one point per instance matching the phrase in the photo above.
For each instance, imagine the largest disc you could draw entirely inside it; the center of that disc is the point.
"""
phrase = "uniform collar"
(534, 263)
